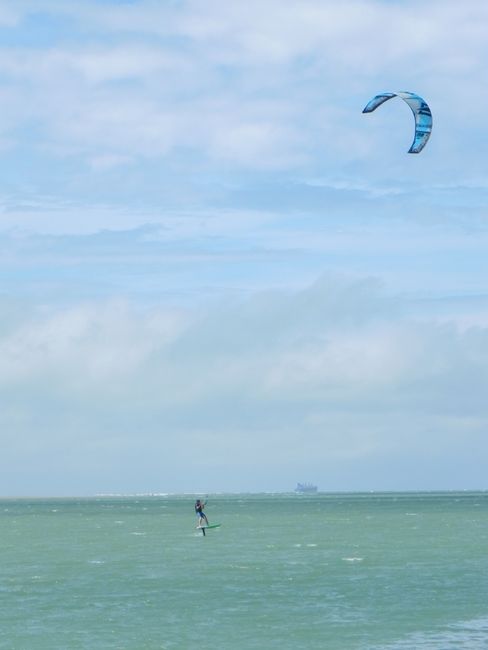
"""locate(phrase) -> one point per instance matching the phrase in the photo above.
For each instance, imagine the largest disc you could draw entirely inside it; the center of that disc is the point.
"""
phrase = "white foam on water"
(240, 566)
(352, 559)
(464, 635)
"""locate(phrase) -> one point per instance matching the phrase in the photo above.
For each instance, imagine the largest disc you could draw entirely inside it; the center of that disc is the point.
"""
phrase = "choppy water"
(375, 572)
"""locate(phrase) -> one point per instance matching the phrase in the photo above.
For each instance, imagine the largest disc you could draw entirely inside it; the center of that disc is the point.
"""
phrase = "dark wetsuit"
(199, 506)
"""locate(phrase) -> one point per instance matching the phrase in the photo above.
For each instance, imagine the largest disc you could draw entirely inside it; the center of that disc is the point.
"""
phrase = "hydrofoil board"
(207, 527)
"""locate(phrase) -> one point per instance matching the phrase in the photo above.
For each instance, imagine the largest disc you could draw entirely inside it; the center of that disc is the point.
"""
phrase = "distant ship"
(306, 488)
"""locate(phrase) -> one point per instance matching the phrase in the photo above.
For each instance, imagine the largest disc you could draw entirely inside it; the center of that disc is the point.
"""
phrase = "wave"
(464, 635)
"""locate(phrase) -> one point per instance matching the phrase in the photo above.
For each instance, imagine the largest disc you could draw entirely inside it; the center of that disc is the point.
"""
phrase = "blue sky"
(216, 273)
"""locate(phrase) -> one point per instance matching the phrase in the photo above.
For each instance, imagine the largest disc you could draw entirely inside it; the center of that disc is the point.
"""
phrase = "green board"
(211, 526)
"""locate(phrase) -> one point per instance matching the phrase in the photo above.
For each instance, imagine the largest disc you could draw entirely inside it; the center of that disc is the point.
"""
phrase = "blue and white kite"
(421, 113)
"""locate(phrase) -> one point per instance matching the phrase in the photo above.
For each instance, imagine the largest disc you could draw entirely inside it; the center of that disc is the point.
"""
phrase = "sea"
(392, 571)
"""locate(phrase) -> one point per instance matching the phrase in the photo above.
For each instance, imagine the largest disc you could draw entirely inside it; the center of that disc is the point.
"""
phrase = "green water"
(283, 571)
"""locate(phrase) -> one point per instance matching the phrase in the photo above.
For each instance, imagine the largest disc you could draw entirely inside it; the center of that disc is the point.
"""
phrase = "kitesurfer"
(202, 517)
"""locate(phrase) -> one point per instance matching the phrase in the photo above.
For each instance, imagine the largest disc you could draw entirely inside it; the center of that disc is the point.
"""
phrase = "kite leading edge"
(421, 113)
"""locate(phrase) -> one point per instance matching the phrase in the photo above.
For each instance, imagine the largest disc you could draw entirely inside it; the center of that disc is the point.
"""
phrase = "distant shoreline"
(290, 493)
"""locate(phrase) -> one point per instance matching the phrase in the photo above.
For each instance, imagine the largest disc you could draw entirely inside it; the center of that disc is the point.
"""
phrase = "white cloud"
(10, 14)
(266, 86)
(102, 342)
(334, 373)
(109, 161)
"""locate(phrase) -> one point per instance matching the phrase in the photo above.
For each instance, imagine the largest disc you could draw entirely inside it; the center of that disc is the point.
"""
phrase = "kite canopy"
(421, 113)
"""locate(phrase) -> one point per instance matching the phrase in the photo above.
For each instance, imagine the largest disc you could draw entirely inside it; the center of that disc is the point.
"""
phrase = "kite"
(421, 113)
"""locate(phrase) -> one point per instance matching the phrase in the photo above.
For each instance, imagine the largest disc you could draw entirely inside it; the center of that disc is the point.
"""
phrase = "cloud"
(10, 14)
(101, 342)
(274, 87)
(284, 30)
(430, 252)
(333, 373)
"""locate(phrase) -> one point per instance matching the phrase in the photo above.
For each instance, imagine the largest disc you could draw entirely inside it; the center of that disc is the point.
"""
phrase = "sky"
(216, 273)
